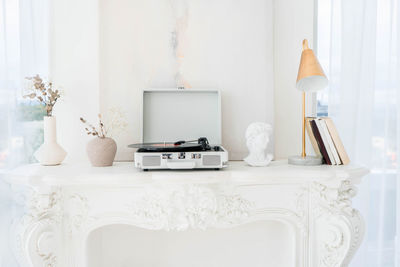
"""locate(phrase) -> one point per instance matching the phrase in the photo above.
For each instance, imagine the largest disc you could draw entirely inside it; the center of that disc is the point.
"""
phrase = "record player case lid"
(181, 114)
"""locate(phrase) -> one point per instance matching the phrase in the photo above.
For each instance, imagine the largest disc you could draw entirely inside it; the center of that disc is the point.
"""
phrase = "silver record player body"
(170, 115)
(182, 160)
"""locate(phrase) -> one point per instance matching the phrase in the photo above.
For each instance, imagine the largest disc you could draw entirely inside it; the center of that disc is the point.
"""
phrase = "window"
(381, 192)
(24, 42)
(323, 45)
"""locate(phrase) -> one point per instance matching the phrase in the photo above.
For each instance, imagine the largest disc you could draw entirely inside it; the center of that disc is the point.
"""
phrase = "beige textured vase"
(101, 151)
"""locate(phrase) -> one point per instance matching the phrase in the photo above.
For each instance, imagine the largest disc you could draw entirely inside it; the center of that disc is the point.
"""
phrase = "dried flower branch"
(91, 130)
(43, 92)
(101, 126)
(115, 121)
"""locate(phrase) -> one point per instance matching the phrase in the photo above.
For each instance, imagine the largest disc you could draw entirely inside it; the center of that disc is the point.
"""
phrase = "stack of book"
(326, 141)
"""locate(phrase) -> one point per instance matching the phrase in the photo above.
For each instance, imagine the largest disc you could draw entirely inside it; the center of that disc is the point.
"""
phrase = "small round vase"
(50, 153)
(101, 151)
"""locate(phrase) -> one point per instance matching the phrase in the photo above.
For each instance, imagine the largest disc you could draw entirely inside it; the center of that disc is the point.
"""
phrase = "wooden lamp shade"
(310, 77)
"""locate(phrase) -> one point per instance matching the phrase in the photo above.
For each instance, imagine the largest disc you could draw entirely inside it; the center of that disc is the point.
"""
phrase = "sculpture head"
(257, 136)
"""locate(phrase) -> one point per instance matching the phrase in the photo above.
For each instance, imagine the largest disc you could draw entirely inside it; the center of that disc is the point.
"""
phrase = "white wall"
(78, 64)
(74, 65)
(210, 44)
(293, 22)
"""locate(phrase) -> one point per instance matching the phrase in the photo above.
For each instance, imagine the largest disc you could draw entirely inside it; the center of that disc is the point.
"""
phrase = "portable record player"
(181, 129)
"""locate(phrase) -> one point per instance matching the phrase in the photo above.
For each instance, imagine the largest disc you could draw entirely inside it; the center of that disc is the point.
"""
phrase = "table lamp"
(310, 78)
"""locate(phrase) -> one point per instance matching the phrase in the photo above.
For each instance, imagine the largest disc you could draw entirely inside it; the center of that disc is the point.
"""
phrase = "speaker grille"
(151, 161)
(211, 160)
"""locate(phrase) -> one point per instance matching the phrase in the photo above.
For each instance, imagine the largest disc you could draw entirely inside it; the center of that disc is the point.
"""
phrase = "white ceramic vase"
(50, 152)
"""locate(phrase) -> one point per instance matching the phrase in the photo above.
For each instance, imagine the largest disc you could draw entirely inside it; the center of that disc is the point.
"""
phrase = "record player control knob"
(181, 155)
(167, 156)
(196, 156)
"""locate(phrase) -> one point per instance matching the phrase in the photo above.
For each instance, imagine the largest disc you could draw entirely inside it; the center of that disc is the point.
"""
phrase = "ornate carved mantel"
(68, 202)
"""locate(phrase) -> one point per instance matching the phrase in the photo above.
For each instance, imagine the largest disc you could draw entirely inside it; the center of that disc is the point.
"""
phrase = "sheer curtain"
(24, 46)
(360, 44)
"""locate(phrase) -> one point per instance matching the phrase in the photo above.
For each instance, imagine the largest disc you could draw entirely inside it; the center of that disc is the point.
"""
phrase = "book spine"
(312, 137)
(320, 142)
(330, 142)
(325, 141)
(337, 141)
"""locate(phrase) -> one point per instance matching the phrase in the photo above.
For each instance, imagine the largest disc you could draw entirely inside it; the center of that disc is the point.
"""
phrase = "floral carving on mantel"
(45, 207)
(188, 206)
(334, 245)
(331, 205)
(79, 212)
(333, 200)
(301, 204)
(44, 215)
(45, 249)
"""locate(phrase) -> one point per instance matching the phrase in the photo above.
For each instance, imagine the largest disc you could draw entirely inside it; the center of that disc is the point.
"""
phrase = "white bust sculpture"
(257, 139)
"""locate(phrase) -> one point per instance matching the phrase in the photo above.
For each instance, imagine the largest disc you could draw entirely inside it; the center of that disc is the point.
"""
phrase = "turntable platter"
(181, 146)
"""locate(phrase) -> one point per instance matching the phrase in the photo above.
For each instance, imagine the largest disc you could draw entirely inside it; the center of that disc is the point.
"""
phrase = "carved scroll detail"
(78, 212)
(43, 224)
(44, 216)
(343, 227)
(191, 206)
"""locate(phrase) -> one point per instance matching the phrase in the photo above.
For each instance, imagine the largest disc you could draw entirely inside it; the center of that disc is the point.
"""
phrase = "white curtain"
(364, 69)
(24, 47)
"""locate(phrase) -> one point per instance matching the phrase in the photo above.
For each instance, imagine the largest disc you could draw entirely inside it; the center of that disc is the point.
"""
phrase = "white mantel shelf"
(124, 173)
(70, 201)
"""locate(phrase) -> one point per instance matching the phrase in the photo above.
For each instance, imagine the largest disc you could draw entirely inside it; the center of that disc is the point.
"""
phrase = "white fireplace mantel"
(66, 203)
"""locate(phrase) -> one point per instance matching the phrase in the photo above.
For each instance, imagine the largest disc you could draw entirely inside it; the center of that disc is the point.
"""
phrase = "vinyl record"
(181, 146)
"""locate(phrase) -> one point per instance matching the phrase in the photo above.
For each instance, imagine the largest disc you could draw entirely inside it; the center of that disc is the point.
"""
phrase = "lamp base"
(305, 161)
